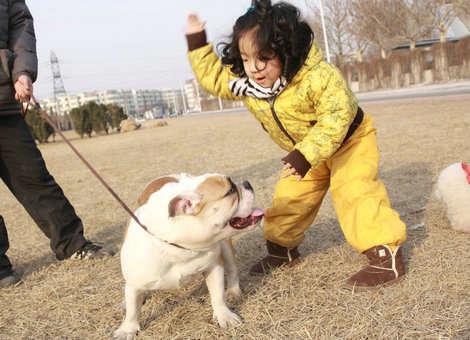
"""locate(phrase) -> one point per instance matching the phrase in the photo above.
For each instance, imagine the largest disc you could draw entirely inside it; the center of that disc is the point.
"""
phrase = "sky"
(123, 44)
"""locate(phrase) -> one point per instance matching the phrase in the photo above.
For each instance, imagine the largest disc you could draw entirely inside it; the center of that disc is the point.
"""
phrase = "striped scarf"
(247, 87)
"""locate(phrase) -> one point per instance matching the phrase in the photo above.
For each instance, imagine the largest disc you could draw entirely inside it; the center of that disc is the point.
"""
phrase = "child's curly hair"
(279, 30)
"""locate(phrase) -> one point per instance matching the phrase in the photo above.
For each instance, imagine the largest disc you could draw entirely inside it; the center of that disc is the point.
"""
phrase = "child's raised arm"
(213, 76)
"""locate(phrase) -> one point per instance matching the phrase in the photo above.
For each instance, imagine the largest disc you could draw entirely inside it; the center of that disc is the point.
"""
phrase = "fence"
(429, 64)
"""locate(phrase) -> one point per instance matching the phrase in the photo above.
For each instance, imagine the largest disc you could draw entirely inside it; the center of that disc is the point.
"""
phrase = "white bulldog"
(190, 221)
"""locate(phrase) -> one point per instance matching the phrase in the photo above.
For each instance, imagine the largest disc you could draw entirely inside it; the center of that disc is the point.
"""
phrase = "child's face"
(263, 69)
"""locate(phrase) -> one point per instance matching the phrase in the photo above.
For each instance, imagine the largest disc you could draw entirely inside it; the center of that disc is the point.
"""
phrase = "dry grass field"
(76, 300)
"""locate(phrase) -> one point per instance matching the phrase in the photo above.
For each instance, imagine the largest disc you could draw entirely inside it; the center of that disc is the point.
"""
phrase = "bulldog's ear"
(185, 204)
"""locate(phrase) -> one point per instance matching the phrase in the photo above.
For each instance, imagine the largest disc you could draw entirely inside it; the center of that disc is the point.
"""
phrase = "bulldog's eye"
(232, 190)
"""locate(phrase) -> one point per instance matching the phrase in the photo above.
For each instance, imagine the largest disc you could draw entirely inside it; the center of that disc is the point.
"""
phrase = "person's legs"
(23, 170)
(5, 265)
(369, 223)
(295, 205)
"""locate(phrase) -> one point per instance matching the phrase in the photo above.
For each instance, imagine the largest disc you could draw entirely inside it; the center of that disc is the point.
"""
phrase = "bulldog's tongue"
(254, 217)
(257, 212)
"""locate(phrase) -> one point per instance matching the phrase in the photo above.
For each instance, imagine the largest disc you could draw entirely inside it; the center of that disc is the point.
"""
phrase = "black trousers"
(24, 172)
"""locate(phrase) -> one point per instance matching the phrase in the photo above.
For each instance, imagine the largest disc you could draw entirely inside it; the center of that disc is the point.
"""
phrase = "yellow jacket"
(315, 110)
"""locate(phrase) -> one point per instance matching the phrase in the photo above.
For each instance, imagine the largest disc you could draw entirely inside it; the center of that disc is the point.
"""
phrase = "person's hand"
(23, 88)
(194, 25)
(288, 170)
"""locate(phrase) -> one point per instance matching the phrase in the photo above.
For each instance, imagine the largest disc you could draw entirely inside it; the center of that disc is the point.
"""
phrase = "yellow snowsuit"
(312, 115)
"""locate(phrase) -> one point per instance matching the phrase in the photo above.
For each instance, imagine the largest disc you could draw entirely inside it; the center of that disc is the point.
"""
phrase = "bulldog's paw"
(127, 332)
(233, 293)
(226, 318)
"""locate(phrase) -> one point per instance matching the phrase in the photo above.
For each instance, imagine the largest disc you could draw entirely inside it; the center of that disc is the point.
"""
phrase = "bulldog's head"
(196, 212)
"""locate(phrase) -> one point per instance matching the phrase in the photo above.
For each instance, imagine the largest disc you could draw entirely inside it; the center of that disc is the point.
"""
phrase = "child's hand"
(288, 170)
(194, 24)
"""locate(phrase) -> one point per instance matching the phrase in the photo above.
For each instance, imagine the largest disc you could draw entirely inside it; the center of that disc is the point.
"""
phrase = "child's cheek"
(247, 72)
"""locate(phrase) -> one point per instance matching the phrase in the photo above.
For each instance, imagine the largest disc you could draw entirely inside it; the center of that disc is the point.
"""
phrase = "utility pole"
(309, 4)
(325, 37)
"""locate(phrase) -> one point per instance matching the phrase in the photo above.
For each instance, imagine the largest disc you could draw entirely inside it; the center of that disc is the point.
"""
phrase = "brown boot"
(385, 267)
(277, 256)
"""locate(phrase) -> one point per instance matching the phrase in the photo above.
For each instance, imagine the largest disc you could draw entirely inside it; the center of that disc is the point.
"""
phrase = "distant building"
(173, 101)
(134, 102)
(146, 100)
(155, 113)
(199, 100)
(460, 28)
(122, 98)
(140, 103)
(191, 90)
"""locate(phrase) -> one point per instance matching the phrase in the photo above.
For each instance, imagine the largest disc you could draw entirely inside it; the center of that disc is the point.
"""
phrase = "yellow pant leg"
(295, 205)
(360, 198)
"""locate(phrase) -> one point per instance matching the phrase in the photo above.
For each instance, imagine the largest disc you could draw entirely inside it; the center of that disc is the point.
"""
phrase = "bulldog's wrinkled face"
(202, 210)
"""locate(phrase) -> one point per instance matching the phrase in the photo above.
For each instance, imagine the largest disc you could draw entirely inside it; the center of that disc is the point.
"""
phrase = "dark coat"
(17, 51)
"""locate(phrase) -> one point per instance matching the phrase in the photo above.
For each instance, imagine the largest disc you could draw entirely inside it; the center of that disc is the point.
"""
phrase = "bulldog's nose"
(247, 185)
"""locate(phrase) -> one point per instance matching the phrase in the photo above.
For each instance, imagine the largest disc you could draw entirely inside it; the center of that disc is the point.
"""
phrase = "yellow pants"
(359, 197)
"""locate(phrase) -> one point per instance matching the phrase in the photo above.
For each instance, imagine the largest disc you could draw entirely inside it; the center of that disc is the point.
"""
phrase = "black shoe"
(91, 251)
(10, 280)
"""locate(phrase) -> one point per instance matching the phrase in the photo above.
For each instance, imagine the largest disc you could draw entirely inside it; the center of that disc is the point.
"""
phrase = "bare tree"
(375, 21)
(358, 46)
(337, 21)
(315, 25)
(414, 21)
(357, 43)
(462, 7)
(443, 14)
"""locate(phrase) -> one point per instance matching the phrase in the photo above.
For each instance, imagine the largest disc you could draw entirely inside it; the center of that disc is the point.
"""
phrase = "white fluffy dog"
(453, 189)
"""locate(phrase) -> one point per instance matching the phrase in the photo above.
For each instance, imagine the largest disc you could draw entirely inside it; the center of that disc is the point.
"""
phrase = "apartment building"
(133, 102)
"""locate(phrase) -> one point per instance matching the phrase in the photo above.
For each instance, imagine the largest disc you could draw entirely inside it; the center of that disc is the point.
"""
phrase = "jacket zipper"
(278, 122)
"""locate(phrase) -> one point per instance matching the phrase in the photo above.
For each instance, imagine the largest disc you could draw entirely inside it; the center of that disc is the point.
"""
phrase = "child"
(306, 107)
